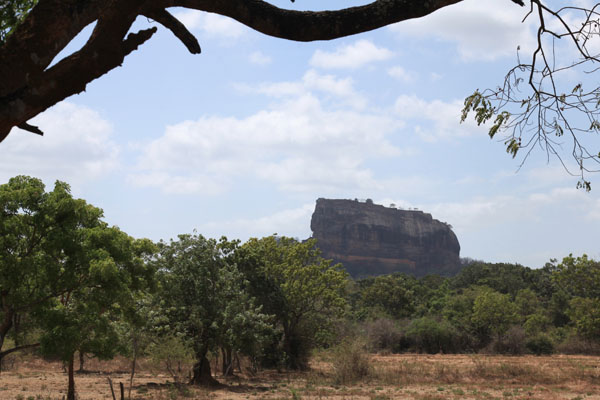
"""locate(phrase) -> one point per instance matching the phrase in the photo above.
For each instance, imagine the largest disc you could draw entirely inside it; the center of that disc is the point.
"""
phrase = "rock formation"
(370, 239)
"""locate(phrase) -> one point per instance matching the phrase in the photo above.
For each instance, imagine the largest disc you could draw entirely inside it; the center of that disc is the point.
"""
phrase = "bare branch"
(308, 26)
(30, 128)
(167, 20)
(552, 109)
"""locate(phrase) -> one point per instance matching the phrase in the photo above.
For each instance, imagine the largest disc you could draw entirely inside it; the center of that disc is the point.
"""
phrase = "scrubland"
(331, 376)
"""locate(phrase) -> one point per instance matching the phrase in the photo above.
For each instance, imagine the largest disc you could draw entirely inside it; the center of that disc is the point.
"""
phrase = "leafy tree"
(112, 269)
(392, 294)
(536, 323)
(458, 307)
(309, 291)
(502, 277)
(204, 299)
(431, 292)
(578, 276)
(493, 314)
(40, 246)
(432, 336)
(527, 303)
(585, 314)
(64, 269)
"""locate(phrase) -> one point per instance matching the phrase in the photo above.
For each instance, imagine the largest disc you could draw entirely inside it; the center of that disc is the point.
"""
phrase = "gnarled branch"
(164, 18)
(305, 26)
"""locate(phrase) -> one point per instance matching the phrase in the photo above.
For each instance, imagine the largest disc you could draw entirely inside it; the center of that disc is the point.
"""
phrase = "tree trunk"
(71, 389)
(5, 327)
(227, 364)
(133, 362)
(202, 375)
(293, 346)
(17, 329)
(81, 361)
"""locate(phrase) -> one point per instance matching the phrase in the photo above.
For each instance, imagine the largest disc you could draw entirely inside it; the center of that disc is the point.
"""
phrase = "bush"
(540, 344)
(383, 335)
(174, 354)
(350, 363)
(577, 345)
(512, 342)
(430, 336)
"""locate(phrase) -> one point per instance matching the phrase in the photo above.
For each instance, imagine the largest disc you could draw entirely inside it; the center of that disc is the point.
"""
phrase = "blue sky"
(243, 138)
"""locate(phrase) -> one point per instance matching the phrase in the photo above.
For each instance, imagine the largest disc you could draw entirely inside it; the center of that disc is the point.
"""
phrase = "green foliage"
(42, 244)
(578, 276)
(458, 307)
(557, 308)
(479, 104)
(536, 323)
(65, 270)
(110, 270)
(585, 314)
(204, 299)
(484, 111)
(12, 13)
(493, 313)
(432, 336)
(527, 303)
(307, 291)
(504, 278)
(392, 294)
(540, 344)
(173, 353)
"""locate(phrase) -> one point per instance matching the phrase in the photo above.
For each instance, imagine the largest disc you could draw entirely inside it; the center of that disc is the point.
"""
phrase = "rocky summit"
(370, 239)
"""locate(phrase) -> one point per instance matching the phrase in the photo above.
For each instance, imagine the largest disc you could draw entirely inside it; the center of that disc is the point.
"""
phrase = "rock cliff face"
(370, 239)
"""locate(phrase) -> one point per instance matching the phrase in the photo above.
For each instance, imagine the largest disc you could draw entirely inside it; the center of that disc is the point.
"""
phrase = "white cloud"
(77, 147)
(352, 56)
(211, 24)
(401, 74)
(482, 29)
(292, 222)
(297, 144)
(534, 227)
(340, 89)
(258, 58)
(436, 119)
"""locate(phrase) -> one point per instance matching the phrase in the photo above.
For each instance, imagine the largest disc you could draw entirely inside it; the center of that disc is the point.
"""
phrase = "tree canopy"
(65, 271)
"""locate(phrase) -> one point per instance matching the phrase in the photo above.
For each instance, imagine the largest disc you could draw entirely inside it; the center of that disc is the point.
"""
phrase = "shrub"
(350, 362)
(174, 354)
(577, 345)
(540, 344)
(383, 335)
(430, 336)
(511, 342)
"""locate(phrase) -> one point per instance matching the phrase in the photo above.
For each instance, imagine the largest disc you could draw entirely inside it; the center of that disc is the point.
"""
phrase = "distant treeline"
(496, 308)
(70, 284)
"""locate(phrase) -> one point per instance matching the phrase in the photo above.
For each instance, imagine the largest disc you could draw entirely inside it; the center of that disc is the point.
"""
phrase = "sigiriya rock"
(370, 239)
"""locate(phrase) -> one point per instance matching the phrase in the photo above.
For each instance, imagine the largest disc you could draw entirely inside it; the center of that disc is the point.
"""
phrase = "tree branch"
(72, 74)
(30, 128)
(308, 26)
(167, 20)
(17, 348)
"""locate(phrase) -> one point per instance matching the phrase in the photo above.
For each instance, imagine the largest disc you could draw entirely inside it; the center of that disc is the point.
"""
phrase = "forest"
(71, 285)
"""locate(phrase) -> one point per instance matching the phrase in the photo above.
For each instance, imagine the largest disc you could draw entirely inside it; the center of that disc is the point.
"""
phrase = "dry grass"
(408, 376)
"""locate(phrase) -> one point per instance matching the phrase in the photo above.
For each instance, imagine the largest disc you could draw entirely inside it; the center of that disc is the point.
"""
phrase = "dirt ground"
(406, 376)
